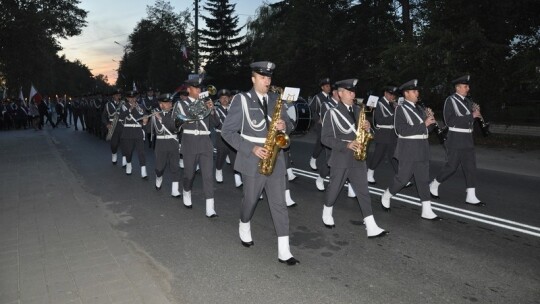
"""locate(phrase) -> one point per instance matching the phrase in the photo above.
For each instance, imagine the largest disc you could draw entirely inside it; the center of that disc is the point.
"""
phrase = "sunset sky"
(114, 20)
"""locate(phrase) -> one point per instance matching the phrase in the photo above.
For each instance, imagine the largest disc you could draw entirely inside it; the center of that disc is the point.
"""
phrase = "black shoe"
(247, 244)
(329, 226)
(114, 163)
(188, 207)
(145, 178)
(433, 219)
(372, 183)
(384, 233)
(292, 206)
(433, 195)
(212, 216)
(159, 188)
(384, 208)
(480, 204)
(290, 262)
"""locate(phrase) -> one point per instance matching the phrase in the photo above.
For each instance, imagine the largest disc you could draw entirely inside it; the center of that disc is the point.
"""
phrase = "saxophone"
(275, 140)
(362, 136)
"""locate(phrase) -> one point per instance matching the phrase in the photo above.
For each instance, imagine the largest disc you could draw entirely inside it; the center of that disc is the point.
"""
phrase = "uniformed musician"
(149, 104)
(197, 148)
(166, 150)
(315, 106)
(322, 161)
(245, 129)
(412, 150)
(112, 108)
(385, 137)
(133, 135)
(339, 134)
(459, 116)
(223, 149)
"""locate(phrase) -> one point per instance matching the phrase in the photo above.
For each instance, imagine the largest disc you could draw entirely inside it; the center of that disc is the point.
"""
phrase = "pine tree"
(221, 43)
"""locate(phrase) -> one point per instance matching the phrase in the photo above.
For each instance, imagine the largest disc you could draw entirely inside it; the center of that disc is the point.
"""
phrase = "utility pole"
(196, 36)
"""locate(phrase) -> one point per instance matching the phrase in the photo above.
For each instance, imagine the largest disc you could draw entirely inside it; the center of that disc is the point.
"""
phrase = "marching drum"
(300, 115)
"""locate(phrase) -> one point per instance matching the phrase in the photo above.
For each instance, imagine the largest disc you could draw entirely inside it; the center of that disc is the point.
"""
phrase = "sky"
(114, 20)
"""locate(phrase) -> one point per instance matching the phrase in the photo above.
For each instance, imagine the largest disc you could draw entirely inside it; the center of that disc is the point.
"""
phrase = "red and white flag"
(34, 94)
(184, 51)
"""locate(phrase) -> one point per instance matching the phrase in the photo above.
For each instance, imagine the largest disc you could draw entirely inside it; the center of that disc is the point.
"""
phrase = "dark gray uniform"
(223, 149)
(412, 150)
(338, 129)
(132, 134)
(112, 108)
(166, 150)
(459, 144)
(316, 106)
(385, 136)
(149, 104)
(244, 128)
(322, 162)
(197, 148)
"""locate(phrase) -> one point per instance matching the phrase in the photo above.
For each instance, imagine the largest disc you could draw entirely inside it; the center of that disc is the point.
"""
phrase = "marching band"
(186, 129)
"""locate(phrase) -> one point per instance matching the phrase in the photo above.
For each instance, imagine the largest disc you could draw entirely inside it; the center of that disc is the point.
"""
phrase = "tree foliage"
(28, 41)
(221, 43)
(153, 56)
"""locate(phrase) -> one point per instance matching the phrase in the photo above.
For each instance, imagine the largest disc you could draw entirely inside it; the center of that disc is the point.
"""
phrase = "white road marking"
(459, 212)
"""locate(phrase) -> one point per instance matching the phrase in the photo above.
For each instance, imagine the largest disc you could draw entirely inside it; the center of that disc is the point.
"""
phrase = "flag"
(134, 87)
(21, 96)
(184, 51)
(34, 94)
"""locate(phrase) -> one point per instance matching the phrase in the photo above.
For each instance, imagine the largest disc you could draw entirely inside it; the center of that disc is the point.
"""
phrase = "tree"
(221, 43)
(153, 56)
(28, 38)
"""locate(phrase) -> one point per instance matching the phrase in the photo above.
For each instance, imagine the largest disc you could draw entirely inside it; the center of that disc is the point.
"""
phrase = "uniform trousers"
(318, 148)
(381, 151)
(130, 144)
(357, 179)
(206, 164)
(115, 138)
(223, 149)
(275, 193)
(408, 169)
(322, 162)
(464, 157)
(167, 154)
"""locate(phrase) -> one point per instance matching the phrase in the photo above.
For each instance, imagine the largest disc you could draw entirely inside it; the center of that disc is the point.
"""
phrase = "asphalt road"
(198, 260)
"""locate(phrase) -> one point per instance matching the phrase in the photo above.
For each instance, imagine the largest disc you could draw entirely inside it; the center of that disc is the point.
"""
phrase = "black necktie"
(265, 110)
(351, 113)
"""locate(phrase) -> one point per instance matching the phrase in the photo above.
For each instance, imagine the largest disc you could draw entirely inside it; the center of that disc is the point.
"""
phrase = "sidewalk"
(56, 242)
(502, 160)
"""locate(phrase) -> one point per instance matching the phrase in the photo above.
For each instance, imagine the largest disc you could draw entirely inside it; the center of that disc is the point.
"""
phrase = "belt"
(166, 136)
(385, 126)
(420, 136)
(196, 132)
(258, 140)
(132, 125)
(460, 130)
